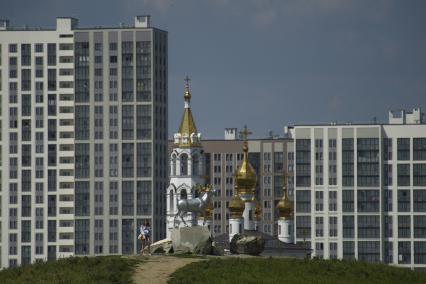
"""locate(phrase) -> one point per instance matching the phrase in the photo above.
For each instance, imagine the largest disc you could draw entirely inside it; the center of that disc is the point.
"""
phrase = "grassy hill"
(108, 269)
(292, 271)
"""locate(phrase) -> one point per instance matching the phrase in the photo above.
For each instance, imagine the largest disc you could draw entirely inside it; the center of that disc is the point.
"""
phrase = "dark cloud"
(269, 63)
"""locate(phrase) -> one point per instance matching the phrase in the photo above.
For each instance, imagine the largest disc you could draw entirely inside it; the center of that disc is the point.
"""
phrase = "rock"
(217, 249)
(160, 247)
(185, 239)
(246, 244)
(204, 248)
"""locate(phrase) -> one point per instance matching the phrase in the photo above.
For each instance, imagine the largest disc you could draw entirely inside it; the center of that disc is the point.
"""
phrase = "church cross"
(245, 133)
(187, 79)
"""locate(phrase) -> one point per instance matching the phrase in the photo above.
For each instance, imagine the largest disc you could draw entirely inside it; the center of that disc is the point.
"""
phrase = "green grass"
(102, 269)
(293, 271)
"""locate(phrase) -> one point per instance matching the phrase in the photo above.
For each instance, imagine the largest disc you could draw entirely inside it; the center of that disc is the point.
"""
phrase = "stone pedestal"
(186, 239)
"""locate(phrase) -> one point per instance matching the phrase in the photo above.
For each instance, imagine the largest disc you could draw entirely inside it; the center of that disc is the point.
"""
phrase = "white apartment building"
(360, 189)
(83, 139)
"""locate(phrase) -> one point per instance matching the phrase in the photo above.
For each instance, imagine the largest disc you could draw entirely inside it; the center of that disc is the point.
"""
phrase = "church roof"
(187, 125)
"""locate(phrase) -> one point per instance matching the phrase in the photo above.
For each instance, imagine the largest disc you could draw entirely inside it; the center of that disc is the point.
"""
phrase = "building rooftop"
(70, 23)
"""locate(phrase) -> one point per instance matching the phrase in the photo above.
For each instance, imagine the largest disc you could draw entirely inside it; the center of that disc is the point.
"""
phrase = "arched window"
(195, 165)
(184, 165)
(172, 202)
(183, 194)
(173, 165)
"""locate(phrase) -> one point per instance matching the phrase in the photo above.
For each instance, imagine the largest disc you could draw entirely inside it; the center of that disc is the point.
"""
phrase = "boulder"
(247, 244)
(186, 239)
(204, 248)
(160, 247)
(217, 249)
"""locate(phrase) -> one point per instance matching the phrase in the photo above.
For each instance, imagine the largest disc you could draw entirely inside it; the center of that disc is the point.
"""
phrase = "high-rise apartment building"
(83, 139)
(360, 189)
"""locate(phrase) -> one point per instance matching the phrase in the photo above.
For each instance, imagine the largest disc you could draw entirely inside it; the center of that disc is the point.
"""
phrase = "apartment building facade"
(84, 139)
(360, 190)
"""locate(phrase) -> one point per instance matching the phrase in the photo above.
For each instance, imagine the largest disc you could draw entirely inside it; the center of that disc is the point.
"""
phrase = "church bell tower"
(186, 165)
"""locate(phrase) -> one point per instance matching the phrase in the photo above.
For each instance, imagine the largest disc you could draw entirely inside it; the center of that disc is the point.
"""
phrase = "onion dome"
(236, 207)
(258, 211)
(245, 176)
(285, 205)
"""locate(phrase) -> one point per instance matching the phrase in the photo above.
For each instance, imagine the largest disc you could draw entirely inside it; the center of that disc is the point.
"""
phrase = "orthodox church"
(187, 181)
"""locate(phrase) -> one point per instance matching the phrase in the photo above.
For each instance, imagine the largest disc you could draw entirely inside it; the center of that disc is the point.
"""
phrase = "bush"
(101, 269)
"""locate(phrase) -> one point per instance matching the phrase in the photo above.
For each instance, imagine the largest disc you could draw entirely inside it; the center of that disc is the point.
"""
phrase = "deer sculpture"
(194, 205)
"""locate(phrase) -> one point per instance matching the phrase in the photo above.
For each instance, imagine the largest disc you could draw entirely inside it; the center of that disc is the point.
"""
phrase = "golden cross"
(187, 79)
(245, 133)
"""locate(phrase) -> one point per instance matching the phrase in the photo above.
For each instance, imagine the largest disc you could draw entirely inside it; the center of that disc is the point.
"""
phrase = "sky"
(271, 63)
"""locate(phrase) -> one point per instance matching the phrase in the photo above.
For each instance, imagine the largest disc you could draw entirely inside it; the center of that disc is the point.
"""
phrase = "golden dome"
(236, 207)
(285, 206)
(258, 211)
(245, 176)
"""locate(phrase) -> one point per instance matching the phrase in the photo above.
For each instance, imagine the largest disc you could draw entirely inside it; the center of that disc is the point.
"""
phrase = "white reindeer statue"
(194, 205)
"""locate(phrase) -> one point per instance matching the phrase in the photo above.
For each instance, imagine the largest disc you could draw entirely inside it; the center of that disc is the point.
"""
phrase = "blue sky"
(270, 63)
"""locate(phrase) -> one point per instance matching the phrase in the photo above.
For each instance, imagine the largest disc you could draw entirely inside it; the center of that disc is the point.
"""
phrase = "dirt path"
(157, 269)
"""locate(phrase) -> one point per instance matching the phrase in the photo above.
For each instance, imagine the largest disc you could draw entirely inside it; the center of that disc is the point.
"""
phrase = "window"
(368, 161)
(420, 226)
(303, 162)
(419, 200)
(319, 201)
(332, 226)
(51, 54)
(303, 201)
(127, 198)
(369, 251)
(348, 226)
(404, 252)
(82, 161)
(403, 175)
(419, 174)
(368, 200)
(332, 200)
(403, 149)
(303, 226)
(403, 201)
(387, 149)
(419, 252)
(419, 149)
(13, 48)
(349, 250)
(38, 47)
(404, 227)
(127, 122)
(25, 54)
(128, 159)
(368, 226)
(26, 79)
